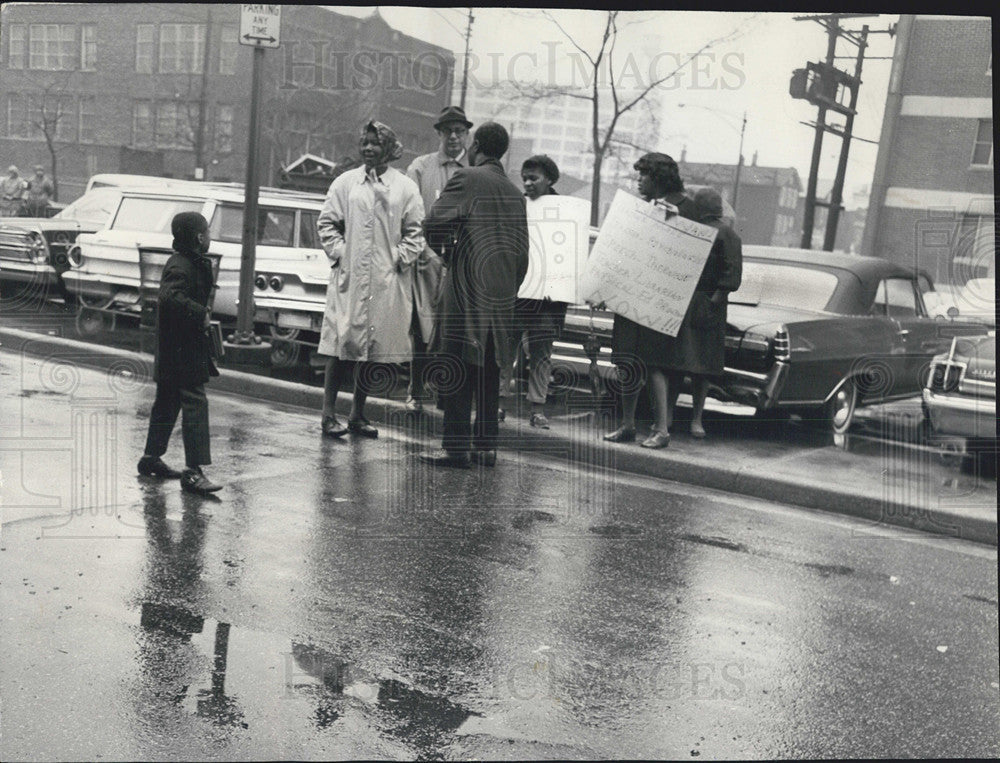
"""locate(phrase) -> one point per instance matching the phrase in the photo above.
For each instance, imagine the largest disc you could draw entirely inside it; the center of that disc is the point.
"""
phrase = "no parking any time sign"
(260, 25)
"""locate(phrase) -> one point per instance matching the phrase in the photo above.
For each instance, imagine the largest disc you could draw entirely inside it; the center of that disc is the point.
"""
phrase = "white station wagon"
(291, 266)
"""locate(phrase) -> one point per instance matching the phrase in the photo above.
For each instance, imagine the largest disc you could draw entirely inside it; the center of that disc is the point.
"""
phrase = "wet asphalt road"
(343, 600)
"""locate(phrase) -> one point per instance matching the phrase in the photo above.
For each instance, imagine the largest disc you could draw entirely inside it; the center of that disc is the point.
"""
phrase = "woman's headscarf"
(707, 204)
(392, 149)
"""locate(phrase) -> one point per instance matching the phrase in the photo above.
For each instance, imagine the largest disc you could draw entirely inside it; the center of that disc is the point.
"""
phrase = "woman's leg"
(360, 391)
(331, 387)
(659, 386)
(698, 394)
(630, 402)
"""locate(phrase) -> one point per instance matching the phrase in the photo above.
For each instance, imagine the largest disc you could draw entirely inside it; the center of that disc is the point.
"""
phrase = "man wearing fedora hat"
(431, 172)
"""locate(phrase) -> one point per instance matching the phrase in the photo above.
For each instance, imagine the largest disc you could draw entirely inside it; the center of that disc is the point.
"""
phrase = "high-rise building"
(932, 201)
(560, 125)
(164, 89)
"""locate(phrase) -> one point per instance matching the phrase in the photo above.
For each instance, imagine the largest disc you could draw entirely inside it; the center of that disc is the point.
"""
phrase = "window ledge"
(981, 167)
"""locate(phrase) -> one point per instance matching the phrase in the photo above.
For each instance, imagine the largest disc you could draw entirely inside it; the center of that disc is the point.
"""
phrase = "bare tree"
(54, 107)
(603, 138)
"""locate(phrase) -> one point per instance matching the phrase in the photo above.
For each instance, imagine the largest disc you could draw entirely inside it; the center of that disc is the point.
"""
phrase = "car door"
(918, 337)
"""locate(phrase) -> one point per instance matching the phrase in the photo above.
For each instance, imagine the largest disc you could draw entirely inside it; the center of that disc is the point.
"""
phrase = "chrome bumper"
(756, 389)
(972, 417)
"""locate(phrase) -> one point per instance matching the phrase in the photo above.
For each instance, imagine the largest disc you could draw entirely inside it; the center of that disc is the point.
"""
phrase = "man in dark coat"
(183, 357)
(479, 227)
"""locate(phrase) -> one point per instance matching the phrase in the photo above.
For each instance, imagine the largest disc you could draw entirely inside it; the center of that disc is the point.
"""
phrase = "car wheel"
(91, 322)
(839, 411)
(285, 351)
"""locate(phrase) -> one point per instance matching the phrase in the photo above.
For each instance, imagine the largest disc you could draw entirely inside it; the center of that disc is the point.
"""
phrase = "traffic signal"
(797, 87)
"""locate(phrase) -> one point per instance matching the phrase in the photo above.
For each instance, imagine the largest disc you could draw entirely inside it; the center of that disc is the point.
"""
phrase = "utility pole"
(809, 216)
(821, 84)
(199, 144)
(465, 65)
(837, 192)
(739, 164)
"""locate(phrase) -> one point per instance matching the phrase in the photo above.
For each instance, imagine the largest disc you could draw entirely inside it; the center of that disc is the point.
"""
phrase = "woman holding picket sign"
(637, 349)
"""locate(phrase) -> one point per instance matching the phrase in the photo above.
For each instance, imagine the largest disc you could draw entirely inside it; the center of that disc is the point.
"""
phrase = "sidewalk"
(888, 483)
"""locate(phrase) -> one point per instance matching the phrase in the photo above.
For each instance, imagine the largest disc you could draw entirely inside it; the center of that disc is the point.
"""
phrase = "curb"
(674, 466)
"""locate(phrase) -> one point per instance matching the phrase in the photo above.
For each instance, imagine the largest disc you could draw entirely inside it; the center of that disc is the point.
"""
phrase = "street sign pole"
(244, 315)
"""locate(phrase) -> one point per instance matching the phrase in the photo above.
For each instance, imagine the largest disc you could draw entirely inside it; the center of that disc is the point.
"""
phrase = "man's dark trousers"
(483, 382)
(171, 400)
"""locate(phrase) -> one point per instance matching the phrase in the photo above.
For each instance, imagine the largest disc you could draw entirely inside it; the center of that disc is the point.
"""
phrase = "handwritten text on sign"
(260, 25)
(645, 267)
(558, 239)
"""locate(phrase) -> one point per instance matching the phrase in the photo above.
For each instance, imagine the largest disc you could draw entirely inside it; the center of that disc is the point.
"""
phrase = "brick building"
(932, 202)
(134, 88)
(766, 202)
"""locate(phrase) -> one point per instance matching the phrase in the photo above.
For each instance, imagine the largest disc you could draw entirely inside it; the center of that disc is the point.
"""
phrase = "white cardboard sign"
(645, 267)
(558, 240)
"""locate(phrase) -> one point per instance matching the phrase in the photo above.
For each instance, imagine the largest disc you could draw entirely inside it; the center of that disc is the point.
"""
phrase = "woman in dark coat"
(637, 349)
(699, 349)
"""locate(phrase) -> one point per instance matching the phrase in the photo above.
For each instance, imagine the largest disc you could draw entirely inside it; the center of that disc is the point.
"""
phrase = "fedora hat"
(452, 114)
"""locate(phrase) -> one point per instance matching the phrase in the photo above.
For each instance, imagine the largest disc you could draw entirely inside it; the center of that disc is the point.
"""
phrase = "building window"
(88, 113)
(182, 48)
(144, 48)
(224, 129)
(176, 124)
(88, 47)
(58, 118)
(15, 54)
(52, 47)
(228, 48)
(17, 115)
(142, 123)
(982, 151)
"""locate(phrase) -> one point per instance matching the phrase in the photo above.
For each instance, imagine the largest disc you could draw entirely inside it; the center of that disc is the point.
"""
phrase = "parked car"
(809, 332)
(33, 250)
(104, 265)
(960, 399)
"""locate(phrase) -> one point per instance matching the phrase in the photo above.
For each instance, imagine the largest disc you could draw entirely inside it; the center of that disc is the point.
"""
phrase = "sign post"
(260, 27)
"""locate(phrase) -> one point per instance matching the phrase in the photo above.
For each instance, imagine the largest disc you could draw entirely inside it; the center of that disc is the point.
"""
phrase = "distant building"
(932, 201)
(163, 89)
(560, 126)
(765, 204)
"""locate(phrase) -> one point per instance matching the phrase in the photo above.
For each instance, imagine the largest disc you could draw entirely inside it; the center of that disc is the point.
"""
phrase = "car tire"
(91, 322)
(285, 351)
(838, 413)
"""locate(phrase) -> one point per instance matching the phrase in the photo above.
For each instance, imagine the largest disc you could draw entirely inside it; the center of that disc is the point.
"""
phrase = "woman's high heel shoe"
(622, 434)
(657, 440)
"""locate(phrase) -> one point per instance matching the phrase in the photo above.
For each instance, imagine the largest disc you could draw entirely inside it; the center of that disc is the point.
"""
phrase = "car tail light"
(74, 256)
(260, 282)
(275, 282)
(945, 376)
(782, 345)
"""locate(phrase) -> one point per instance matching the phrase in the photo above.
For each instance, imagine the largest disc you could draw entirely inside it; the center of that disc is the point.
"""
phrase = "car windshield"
(151, 215)
(795, 286)
(93, 208)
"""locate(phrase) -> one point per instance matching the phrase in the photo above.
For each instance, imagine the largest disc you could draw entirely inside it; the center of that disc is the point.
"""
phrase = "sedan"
(35, 250)
(808, 332)
(960, 399)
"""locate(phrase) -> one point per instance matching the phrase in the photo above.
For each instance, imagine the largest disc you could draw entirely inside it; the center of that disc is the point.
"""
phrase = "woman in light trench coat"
(370, 229)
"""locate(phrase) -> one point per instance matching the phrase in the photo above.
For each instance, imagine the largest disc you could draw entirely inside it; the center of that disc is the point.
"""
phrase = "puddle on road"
(262, 682)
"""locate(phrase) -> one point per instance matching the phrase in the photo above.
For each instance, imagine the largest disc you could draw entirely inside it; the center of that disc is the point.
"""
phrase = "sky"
(701, 110)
